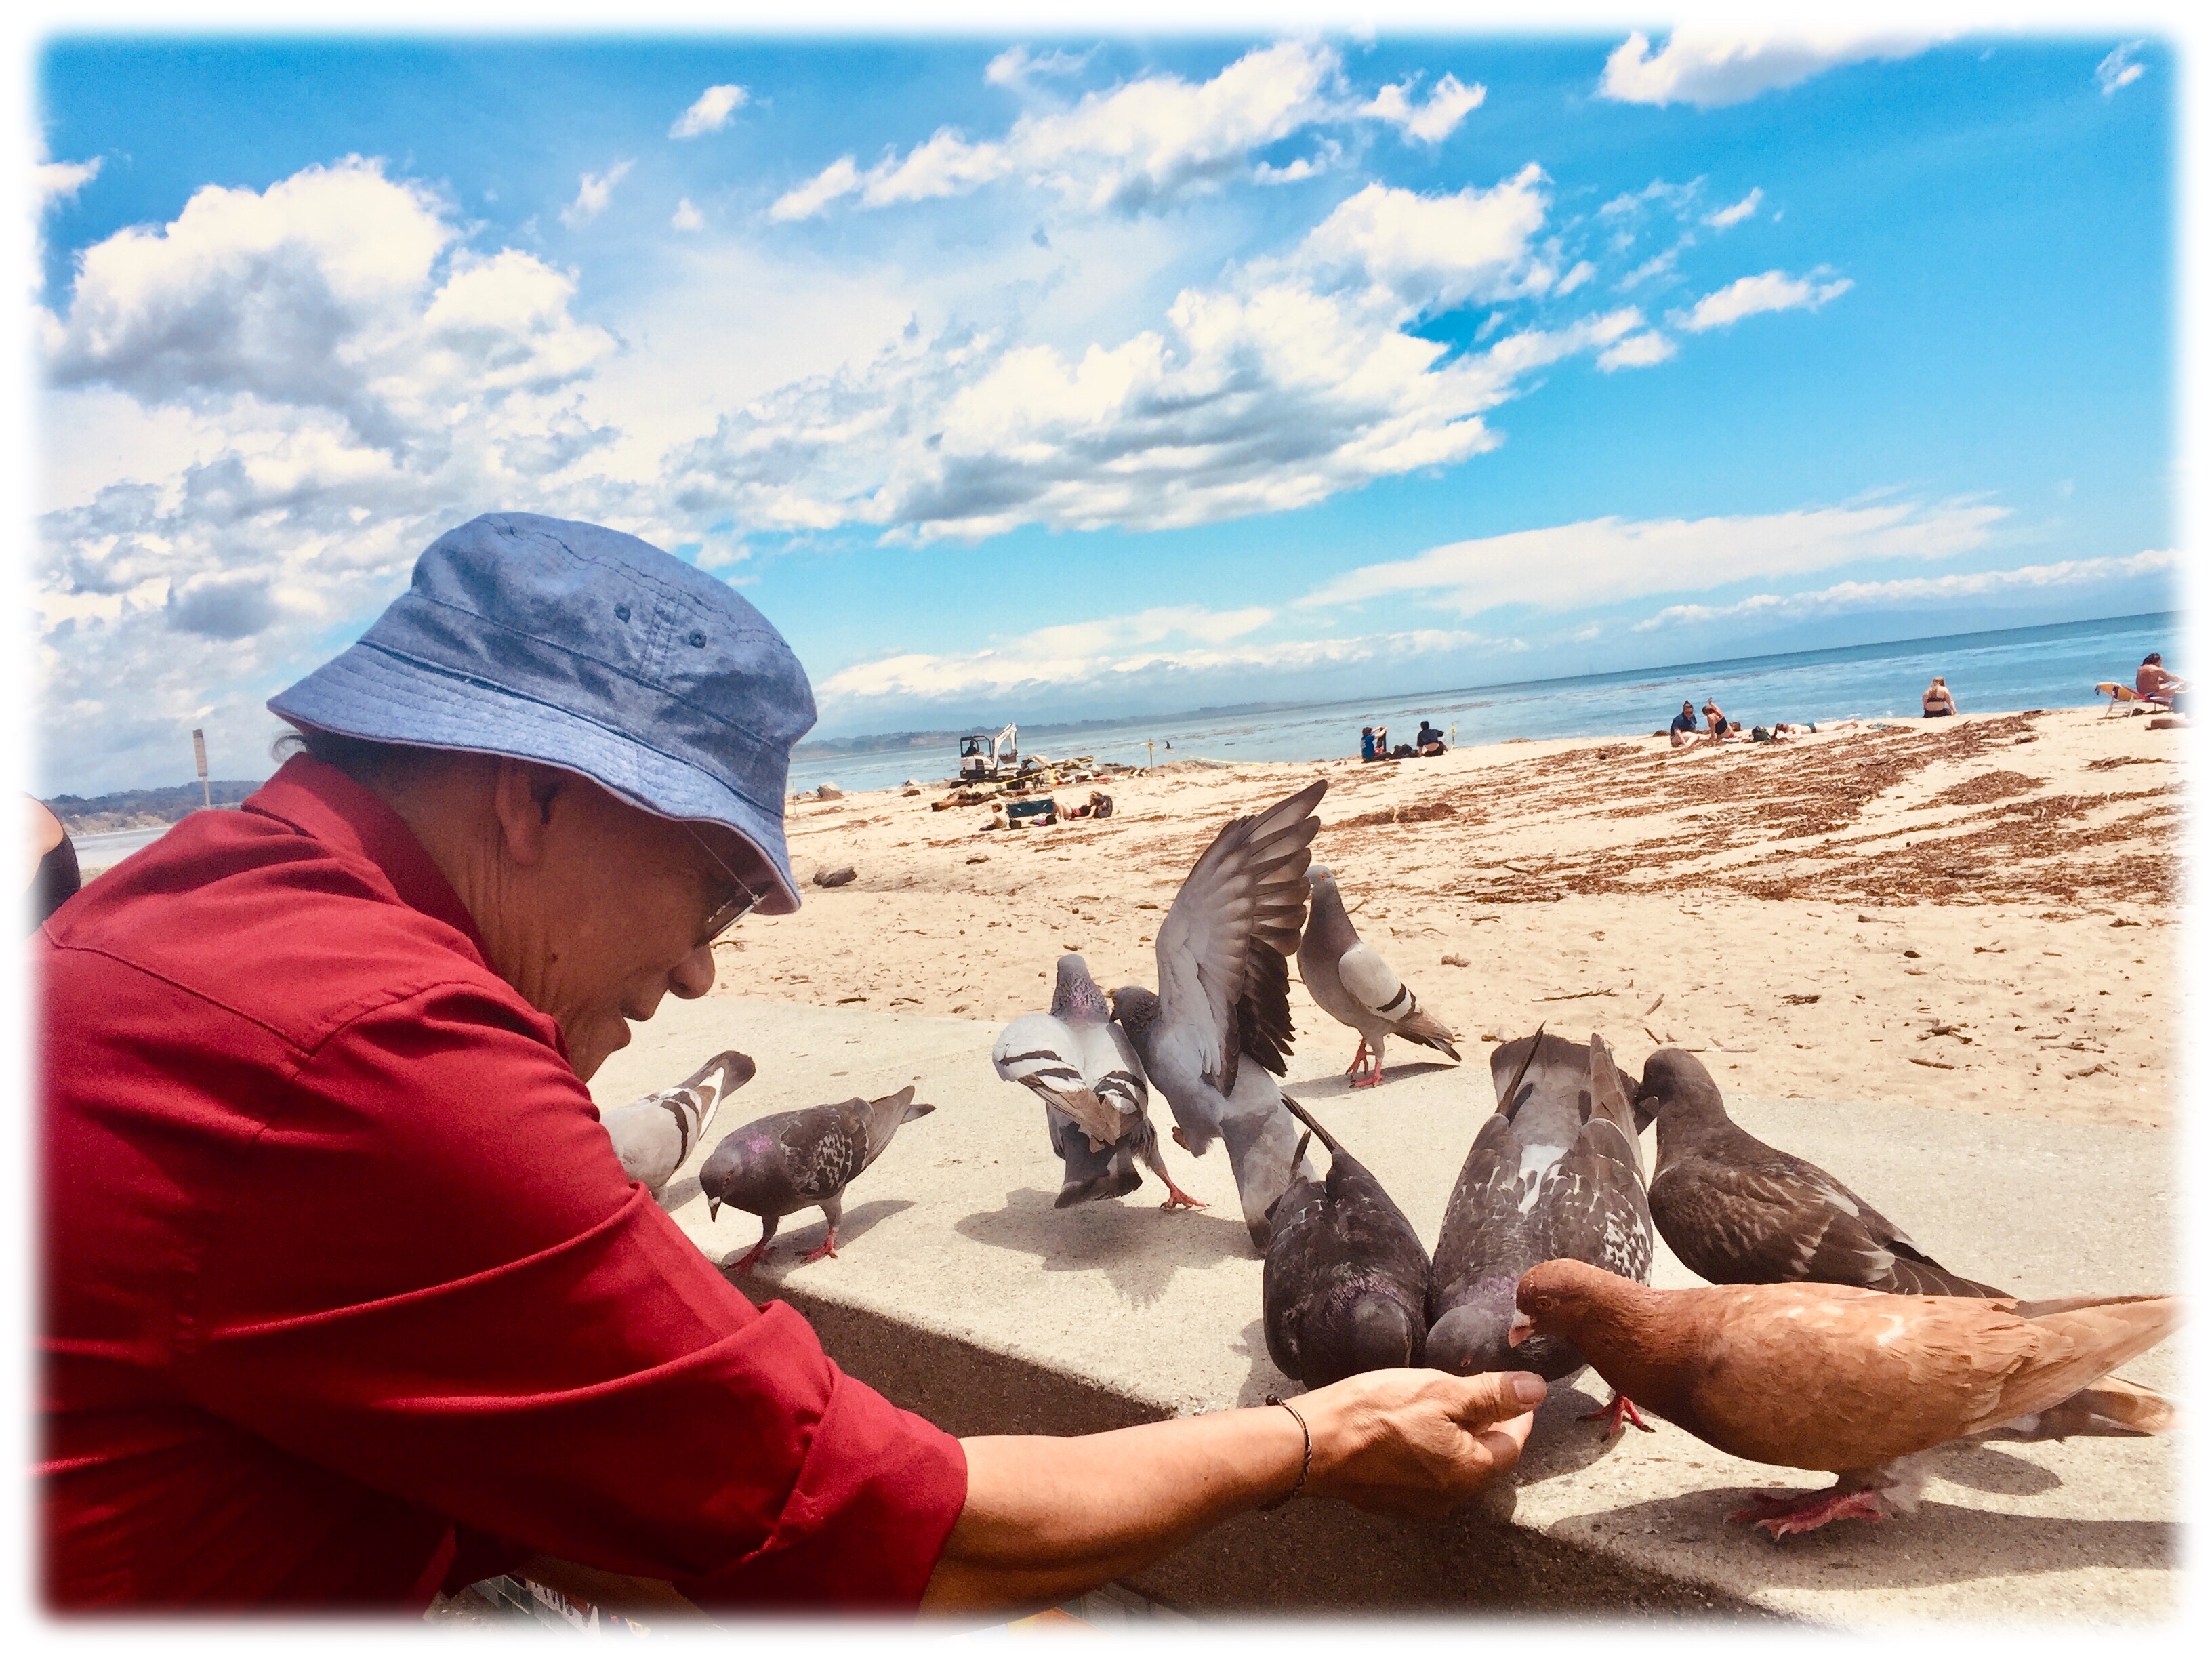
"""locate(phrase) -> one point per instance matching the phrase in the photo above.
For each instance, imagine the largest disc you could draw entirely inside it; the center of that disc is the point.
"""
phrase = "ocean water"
(2056, 666)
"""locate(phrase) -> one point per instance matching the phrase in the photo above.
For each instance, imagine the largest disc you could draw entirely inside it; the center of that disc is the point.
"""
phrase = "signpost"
(199, 759)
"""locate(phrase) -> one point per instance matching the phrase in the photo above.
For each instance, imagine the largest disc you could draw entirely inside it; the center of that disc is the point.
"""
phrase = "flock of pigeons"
(1826, 1338)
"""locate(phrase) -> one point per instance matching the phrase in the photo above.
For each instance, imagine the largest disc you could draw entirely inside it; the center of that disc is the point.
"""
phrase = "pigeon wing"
(1593, 1204)
(1238, 914)
(1045, 1055)
(1483, 1226)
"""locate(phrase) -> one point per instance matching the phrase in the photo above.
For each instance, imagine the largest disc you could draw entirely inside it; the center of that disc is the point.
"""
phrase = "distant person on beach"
(1685, 727)
(1937, 700)
(1429, 740)
(1367, 743)
(2154, 684)
(1715, 721)
(53, 864)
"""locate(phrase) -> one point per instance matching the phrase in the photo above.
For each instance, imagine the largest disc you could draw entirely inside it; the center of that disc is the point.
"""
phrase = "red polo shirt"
(346, 1295)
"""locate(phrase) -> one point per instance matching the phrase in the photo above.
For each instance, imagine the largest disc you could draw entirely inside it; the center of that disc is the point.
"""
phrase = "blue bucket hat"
(589, 650)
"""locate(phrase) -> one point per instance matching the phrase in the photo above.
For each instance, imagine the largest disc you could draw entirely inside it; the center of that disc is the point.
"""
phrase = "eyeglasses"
(726, 913)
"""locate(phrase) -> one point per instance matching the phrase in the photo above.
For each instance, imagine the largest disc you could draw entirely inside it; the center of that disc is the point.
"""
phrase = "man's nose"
(693, 977)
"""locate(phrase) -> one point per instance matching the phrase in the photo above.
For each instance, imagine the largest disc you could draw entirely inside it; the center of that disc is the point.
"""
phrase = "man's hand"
(1417, 1443)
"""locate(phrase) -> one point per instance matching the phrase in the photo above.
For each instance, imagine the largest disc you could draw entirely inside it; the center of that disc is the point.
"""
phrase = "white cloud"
(2119, 68)
(1166, 644)
(1436, 253)
(347, 380)
(1914, 591)
(1293, 381)
(1749, 296)
(1636, 352)
(686, 217)
(1736, 213)
(710, 112)
(1604, 561)
(1710, 68)
(1430, 123)
(1017, 66)
(59, 181)
(593, 191)
(1140, 145)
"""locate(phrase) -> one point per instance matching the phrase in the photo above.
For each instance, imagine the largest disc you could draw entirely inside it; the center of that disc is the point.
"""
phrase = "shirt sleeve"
(431, 1274)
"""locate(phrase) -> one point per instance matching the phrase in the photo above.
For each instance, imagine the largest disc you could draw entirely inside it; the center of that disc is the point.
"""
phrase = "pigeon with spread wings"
(1221, 1021)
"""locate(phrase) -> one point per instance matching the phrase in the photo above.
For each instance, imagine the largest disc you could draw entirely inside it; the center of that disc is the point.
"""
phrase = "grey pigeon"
(1221, 1021)
(1555, 1171)
(799, 1160)
(1355, 987)
(1739, 1212)
(1081, 1064)
(1345, 1283)
(653, 1135)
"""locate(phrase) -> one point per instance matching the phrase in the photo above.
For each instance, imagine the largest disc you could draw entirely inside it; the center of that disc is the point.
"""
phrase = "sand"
(1975, 913)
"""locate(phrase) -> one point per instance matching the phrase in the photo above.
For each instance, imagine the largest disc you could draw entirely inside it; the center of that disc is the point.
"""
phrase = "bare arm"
(1048, 1518)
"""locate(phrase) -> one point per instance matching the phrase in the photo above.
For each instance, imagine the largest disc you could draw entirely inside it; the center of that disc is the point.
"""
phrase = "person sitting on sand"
(1102, 803)
(1937, 702)
(2154, 684)
(1685, 727)
(1367, 743)
(1429, 740)
(1716, 721)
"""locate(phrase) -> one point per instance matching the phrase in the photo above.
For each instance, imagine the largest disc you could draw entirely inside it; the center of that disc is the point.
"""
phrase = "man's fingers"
(1494, 1396)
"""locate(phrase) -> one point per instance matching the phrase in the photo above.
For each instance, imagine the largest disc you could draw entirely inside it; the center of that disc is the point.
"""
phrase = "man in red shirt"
(347, 1298)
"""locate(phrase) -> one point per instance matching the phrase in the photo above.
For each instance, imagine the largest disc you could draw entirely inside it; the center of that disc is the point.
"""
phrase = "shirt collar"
(323, 803)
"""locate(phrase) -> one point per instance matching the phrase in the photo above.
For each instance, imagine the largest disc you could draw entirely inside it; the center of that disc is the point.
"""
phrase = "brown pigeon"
(1739, 1212)
(1831, 1377)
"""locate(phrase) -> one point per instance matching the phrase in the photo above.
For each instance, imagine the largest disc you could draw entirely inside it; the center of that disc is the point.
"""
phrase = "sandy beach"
(1974, 913)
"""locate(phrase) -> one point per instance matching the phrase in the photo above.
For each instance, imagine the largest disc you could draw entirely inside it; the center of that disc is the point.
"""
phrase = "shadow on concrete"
(1263, 1379)
(1561, 1442)
(1985, 1468)
(678, 1192)
(793, 1243)
(1135, 1247)
(1340, 1088)
(1943, 1544)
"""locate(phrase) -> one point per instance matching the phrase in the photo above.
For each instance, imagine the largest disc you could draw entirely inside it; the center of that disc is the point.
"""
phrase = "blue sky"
(1051, 377)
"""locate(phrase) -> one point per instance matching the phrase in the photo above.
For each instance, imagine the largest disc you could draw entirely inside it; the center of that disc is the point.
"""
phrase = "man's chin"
(588, 1057)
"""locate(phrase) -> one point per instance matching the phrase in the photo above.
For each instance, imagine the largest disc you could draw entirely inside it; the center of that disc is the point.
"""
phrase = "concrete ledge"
(963, 1294)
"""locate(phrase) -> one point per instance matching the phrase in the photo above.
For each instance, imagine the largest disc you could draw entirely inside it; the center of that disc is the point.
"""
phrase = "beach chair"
(2121, 693)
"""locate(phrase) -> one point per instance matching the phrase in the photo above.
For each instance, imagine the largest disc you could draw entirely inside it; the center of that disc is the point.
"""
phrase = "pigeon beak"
(714, 1207)
(1520, 1330)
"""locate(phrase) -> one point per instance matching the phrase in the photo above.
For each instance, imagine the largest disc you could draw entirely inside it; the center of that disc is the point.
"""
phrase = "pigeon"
(1345, 1285)
(1081, 1064)
(653, 1135)
(1835, 1377)
(1738, 1212)
(1554, 1171)
(1221, 1021)
(791, 1161)
(1356, 988)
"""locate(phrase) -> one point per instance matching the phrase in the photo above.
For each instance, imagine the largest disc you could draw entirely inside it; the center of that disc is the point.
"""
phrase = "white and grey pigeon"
(1355, 987)
(1221, 1021)
(653, 1135)
(1081, 1064)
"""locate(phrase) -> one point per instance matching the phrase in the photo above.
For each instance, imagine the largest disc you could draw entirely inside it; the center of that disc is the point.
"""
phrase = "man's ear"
(522, 796)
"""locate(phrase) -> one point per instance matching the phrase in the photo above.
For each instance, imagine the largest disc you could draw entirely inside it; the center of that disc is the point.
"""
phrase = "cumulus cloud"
(1636, 352)
(1430, 123)
(352, 378)
(59, 181)
(2119, 68)
(710, 112)
(686, 217)
(1736, 212)
(1748, 296)
(593, 191)
(1604, 561)
(1914, 591)
(1138, 145)
(1294, 381)
(1164, 646)
(1711, 68)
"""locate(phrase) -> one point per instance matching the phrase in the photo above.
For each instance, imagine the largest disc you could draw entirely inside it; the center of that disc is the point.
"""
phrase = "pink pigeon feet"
(1784, 1512)
(828, 1247)
(1617, 1411)
(1366, 1057)
(1178, 1199)
(743, 1264)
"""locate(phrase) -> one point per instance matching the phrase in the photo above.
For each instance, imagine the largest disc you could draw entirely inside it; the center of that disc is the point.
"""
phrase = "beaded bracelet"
(1305, 1464)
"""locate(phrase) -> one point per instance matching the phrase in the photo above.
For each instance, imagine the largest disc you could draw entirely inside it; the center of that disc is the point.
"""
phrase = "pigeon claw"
(1781, 1513)
(1620, 1410)
(828, 1247)
(1179, 1200)
(743, 1264)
